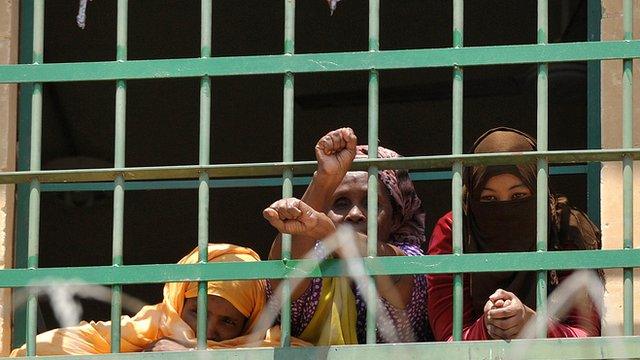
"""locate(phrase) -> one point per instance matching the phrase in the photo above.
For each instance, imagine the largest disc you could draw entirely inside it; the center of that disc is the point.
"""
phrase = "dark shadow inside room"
(163, 115)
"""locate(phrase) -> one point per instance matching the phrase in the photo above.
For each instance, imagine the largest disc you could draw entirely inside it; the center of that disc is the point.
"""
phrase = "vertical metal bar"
(594, 17)
(34, 165)
(119, 162)
(543, 170)
(627, 167)
(24, 150)
(287, 155)
(204, 159)
(456, 183)
(372, 193)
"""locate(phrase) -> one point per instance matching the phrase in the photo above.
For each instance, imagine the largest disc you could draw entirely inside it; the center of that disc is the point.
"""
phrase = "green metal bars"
(307, 167)
(322, 62)
(627, 167)
(119, 162)
(372, 184)
(456, 182)
(24, 149)
(203, 159)
(542, 189)
(205, 175)
(594, 15)
(261, 182)
(287, 156)
(276, 269)
(34, 165)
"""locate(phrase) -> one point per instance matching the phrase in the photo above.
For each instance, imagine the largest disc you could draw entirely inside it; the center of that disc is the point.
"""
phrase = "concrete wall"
(8, 111)
(611, 184)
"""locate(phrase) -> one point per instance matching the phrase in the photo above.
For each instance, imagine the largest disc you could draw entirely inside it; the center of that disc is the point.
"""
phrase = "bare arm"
(396, 289)
(335, 152)
(317, 196)
(293, 216)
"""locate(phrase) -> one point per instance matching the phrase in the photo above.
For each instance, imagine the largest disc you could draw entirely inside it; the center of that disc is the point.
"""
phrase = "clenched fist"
(335, 152)
(293, 216)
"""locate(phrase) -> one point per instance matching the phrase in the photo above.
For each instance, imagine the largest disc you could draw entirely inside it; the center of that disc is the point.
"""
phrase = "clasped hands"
(505, 315)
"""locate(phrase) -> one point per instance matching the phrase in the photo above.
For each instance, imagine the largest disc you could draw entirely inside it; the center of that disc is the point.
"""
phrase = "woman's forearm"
(396, 289)
(317, 195)
(319, 192)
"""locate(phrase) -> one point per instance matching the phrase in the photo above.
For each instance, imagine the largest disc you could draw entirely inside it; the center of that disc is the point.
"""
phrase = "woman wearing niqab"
(500, 216)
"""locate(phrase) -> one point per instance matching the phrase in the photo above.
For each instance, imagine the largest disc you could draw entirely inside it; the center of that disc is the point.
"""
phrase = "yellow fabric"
(163, 320)
(334, 322)
(247, 296)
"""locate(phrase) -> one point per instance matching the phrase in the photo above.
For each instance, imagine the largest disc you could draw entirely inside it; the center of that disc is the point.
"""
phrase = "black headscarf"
(510, 226)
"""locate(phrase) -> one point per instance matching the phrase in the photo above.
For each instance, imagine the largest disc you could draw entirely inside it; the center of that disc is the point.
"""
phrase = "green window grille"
(32, 180)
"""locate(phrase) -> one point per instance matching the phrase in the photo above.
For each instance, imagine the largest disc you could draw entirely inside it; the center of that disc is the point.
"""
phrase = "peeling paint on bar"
(278, 269)
(307, 167)
(322, 62)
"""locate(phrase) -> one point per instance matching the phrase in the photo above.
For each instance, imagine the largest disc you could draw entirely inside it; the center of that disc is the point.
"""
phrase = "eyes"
(227, 321)
(514, 196)
(345, 204)
(341, 203)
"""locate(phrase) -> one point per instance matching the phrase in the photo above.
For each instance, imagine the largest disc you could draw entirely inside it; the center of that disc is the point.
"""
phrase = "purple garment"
(409, 324)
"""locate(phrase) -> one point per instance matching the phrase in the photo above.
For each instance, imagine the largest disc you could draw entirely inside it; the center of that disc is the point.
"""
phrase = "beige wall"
(611, 184)
(8, 111)
(8, 105)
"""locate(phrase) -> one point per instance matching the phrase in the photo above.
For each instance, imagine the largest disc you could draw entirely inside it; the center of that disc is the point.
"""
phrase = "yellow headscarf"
(334, 322)
(163, 320)
(247, 296)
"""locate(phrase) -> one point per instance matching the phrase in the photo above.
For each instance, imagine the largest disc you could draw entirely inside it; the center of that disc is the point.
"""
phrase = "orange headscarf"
(247, 296)
(163, 320)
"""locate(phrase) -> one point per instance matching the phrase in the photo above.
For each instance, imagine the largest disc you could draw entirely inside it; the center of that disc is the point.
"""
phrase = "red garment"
(440, 301)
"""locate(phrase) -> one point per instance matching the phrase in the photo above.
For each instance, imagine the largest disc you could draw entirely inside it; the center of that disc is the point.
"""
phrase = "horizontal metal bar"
(568, 170)
(260, 182)
(280, 269)
(321, 62)
(175, 184)
(576, 348)
(307, 167)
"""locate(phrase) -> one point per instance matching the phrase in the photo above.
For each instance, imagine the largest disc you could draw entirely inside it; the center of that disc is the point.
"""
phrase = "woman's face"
(224, 321)
(349, 205)
(504, 187)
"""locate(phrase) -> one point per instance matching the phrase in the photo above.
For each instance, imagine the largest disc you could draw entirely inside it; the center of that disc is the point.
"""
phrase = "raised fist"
(335, 152)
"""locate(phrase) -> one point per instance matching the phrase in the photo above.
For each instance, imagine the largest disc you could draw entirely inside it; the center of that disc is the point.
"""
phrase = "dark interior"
(162, 115)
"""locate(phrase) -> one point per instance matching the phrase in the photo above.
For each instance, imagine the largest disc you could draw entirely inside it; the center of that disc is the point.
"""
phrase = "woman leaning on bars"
(500, 216)
(332, 310)
(233, 311)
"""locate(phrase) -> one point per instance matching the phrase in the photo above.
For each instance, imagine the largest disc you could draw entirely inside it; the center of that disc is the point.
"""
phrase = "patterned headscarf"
(408, 214)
